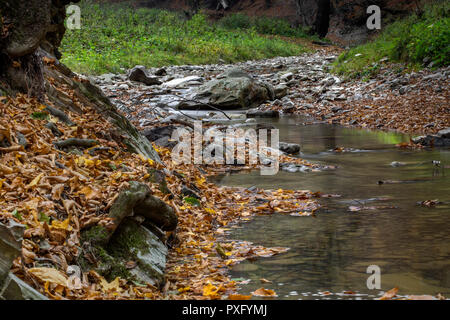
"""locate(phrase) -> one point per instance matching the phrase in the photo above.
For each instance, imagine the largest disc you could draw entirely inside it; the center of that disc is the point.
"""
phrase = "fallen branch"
(87, 143)
(59, 114)
(205, 104)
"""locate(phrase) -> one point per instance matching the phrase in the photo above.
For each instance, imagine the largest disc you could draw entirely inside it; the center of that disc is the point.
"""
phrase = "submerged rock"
(289, 148)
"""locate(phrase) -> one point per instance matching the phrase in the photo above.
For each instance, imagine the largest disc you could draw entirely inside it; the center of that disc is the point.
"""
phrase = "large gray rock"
(236, 90)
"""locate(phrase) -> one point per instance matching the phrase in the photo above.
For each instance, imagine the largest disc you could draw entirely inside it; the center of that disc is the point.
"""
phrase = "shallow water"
(331, 251)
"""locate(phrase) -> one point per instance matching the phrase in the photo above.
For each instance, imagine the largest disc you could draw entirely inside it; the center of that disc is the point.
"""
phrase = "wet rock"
(289, 148)
(441, 139)
(140, 74)
(292, 168)
(281, 91)
(255, 113)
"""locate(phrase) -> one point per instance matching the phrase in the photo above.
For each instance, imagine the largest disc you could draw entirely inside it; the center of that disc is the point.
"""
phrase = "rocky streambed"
(396, 99)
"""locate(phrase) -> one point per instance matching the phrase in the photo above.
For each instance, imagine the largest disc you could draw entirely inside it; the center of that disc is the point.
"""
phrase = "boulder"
(237, 90)
(140, 74)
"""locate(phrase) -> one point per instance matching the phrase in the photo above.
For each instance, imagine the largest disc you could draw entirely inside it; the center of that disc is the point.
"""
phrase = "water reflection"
(332, 251)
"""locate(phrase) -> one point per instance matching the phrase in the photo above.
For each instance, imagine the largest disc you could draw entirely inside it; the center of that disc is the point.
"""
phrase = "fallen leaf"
(261, 292)
(389, 294)
(49, 274)
(110, 286)
(265, 280)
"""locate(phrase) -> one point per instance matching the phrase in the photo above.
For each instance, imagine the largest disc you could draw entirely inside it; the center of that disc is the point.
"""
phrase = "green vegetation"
(416, 40)
(265, 25)
(114, 37)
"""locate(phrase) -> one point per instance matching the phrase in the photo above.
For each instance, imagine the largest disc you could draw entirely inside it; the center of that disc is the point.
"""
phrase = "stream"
(330, 252)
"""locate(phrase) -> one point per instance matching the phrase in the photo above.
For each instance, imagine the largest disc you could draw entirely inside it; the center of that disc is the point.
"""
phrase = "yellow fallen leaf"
(210, 290)
(113, 285)
(89, 192)
(62, 224)
(181, 290)
(35, 181)
(49, 274)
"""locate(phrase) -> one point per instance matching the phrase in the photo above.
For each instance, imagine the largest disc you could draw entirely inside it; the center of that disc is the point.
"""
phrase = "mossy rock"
(130, 242)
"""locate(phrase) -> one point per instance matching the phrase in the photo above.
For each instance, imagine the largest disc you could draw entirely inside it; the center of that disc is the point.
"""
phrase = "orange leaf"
(389, 294)
(261, 292)
(239, 297)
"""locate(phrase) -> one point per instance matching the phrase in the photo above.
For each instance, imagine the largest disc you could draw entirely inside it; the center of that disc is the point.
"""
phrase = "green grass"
(410, 40)
(115, 37)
